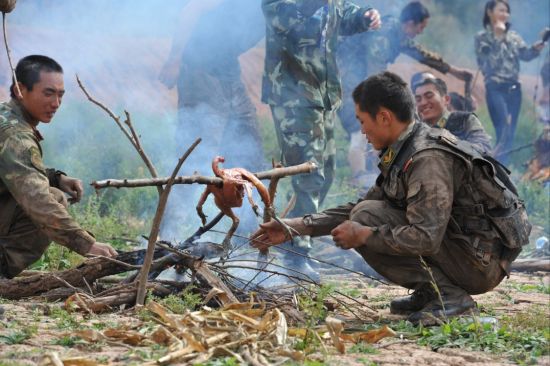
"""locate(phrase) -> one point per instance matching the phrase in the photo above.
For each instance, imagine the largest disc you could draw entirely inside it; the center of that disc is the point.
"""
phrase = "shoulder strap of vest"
(457, 119)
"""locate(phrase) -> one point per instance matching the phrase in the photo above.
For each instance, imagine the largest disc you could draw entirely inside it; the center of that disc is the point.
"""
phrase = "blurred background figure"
(432, 106)
(499, 51)
(301, 84)
(204, 65)
(212, 99)
(366, 54)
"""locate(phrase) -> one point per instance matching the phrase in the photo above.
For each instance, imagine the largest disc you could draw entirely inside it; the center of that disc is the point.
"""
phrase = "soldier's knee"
(368, 212)
(59, 196)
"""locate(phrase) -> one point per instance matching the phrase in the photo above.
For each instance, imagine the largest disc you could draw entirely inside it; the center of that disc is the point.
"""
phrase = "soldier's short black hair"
(386, 90)
(414, 11)
(28, 70)
(490, 6)
(427, 78)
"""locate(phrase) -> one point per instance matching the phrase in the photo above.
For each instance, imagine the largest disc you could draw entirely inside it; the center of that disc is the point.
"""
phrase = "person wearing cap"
(362, 55)
(33, 202)
(432, 103)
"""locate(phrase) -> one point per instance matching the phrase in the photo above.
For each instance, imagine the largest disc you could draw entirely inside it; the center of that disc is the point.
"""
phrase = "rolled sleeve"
(322, 223)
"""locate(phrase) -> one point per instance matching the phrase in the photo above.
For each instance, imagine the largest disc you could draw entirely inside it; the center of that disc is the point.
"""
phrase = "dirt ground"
(50, 330)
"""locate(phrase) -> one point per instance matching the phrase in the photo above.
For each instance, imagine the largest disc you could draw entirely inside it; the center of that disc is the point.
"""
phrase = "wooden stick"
(129, 132)
(8, 52)
(144, 272)
(148, 182)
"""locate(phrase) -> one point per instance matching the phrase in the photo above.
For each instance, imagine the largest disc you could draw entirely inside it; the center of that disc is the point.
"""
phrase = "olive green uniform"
(302, 86)
(32, 210)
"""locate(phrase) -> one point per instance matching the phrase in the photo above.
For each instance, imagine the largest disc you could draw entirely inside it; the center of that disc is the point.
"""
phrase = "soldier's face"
(375, 129)
(430, 105)
(45, 97)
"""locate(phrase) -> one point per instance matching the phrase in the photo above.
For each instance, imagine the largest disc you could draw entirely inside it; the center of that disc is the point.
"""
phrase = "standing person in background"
(301, 85)
(204, 64)
(499, 50)
(212, 99)
(366, 54)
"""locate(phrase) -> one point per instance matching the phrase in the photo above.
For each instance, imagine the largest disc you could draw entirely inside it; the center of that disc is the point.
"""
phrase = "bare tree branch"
(144, 272)
(129, 132)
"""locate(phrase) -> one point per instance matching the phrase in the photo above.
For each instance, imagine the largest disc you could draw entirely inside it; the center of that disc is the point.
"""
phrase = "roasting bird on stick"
(236, 182)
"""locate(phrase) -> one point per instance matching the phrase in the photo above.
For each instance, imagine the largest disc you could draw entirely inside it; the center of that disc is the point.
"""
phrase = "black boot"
(414, 302)
(455, 302)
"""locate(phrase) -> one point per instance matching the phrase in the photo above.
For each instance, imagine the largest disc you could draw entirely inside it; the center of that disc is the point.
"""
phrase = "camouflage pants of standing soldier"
(455, 267)
(21, 242)
(307, 134)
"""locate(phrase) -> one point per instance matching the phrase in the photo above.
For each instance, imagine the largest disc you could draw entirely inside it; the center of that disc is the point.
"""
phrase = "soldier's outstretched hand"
(269, 234)
(374, 16)
(103, 249)
(72, 186)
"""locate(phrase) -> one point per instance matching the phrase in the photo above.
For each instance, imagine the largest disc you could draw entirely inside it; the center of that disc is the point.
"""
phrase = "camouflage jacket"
(431, 188)
(466, 126)
(23, 176)
(498, 60)
(301, 40)
(370, 53)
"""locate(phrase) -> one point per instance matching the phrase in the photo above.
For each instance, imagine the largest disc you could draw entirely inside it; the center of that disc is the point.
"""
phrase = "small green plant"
(18, 336)
(67, 341)
(185, 300)
(313, 306)
(64, 319)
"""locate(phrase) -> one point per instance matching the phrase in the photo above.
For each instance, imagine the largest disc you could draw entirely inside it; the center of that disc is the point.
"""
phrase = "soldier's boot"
(299, 265)
(414, 302)
(456, 301)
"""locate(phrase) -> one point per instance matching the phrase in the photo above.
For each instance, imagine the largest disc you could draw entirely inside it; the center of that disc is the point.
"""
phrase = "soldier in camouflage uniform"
(432, 101)
(499, 50)
(301, 84)
(33, 206)
(433, 200)
(366, 54)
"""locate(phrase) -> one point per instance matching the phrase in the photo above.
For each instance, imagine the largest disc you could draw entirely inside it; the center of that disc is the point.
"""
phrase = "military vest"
(496, 202)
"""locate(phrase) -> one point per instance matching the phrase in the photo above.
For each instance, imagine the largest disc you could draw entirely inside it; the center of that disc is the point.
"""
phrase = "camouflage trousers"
(307, 134)
(21, 242)
(454, 265)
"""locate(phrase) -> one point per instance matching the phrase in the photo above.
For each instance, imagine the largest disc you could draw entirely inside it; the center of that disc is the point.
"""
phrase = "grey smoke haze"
(119, 46)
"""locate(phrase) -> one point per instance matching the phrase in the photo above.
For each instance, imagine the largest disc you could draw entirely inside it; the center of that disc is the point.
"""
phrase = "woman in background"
(498, 51)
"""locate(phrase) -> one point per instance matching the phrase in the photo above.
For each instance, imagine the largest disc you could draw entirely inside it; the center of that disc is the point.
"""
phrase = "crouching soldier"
(33, 205)
(436, 200)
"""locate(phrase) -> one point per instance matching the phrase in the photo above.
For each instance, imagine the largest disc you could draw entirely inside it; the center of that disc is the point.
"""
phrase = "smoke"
(119, 48)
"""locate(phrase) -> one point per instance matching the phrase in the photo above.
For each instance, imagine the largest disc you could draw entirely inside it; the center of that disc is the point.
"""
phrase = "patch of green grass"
(67, 341)
(64, 319)
(519, 345)
(366, 361)
(363, 348)
(226, 361)
(18, 336)
(530, 287)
